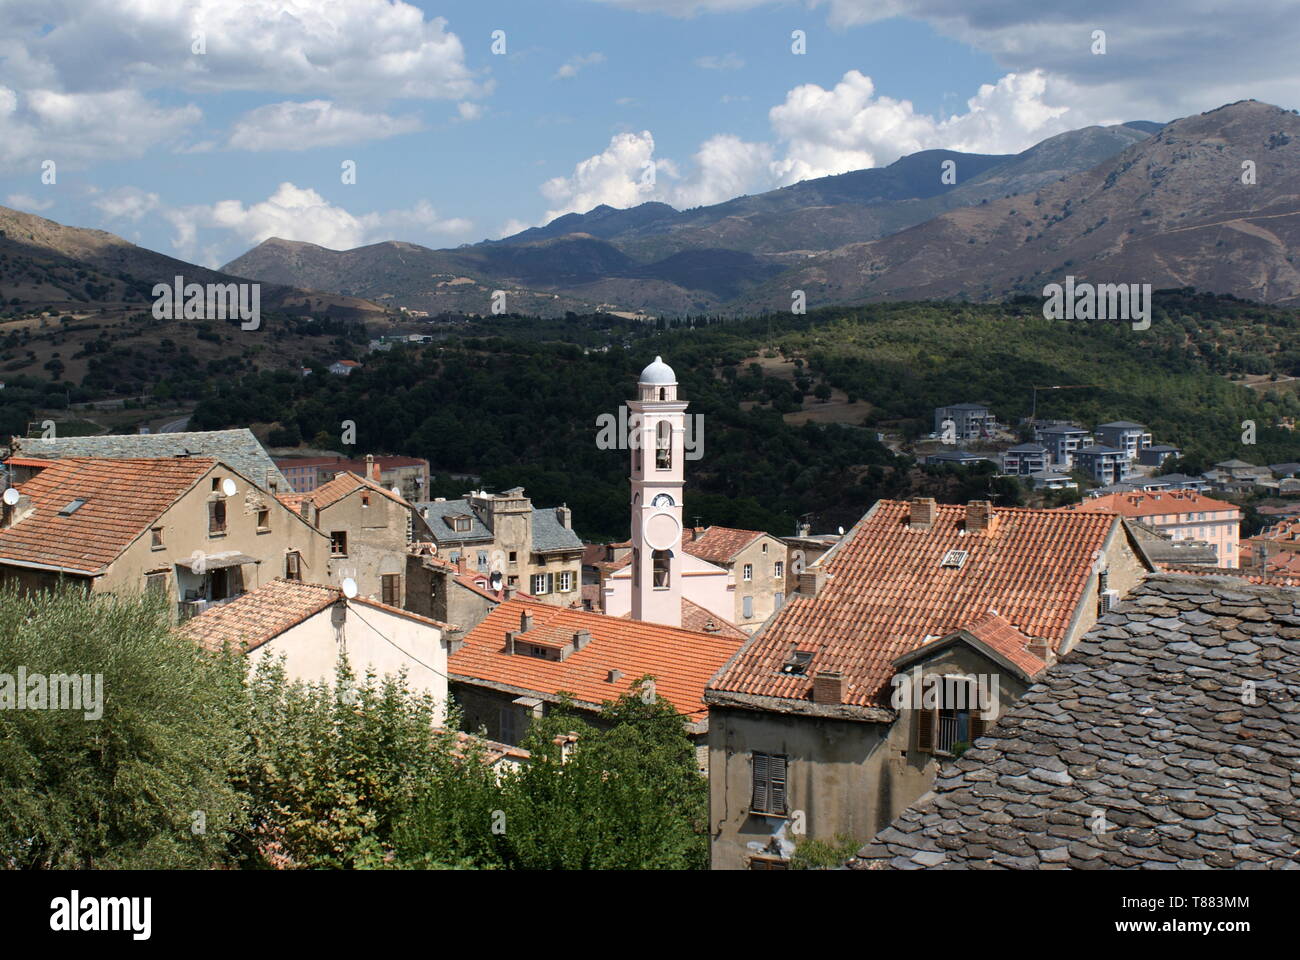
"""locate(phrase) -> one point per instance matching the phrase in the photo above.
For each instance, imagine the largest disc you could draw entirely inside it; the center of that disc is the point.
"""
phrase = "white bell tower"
(658, 428)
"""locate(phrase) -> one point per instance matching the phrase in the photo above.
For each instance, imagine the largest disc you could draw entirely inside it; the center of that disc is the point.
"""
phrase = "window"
(956, 559)
(156, 583)
(293, 565)
(660, 563)
(264, 519)
(155, 538)
(392, 589)
(957, 719)
(483, 561)
(769, 784)
(778, 600)
(663, 446)
(216, 517)
(365, 498)
(778, 570)
(540, 584)
(797, 664)
(747, 606)
(509, 728)
(216, 484)
(513, 557)
(73, 507)
(462, 524)
(566, 581)
(748, 573)
(765, 548)
(338, 543)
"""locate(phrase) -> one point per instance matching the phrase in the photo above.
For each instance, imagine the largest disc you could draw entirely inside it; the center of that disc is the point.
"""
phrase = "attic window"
(956, 559)
(797, 665)
(72, 507)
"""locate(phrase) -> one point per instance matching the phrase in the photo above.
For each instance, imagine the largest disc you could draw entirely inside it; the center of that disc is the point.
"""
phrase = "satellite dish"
(349, 587)
(841, 531)
(11, 496)
(395, 492)
(228, 487)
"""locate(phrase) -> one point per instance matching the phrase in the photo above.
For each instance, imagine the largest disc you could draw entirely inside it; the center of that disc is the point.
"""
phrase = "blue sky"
(202, 155)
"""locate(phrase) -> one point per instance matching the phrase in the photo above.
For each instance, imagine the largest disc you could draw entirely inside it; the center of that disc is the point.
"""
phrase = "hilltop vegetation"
(523, 411)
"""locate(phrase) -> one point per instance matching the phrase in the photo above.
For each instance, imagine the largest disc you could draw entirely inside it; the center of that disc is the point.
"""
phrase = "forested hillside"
(523, 410)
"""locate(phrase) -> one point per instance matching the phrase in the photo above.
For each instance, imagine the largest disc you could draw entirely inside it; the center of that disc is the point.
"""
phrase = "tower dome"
(658, 373)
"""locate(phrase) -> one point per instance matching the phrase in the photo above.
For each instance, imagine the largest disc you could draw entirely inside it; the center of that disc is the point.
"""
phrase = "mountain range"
(1209, 201)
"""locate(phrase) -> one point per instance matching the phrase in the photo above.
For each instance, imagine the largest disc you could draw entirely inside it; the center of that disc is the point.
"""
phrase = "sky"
(201, 128)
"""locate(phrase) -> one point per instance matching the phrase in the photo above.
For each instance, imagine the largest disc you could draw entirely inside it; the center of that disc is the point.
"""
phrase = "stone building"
(805, 724)
(533, 549)
(190, 528)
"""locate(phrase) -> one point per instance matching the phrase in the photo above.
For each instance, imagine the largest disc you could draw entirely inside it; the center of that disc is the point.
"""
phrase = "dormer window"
(797, 664)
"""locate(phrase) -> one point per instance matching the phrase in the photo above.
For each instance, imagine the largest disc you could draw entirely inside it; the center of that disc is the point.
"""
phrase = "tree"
(143, 784)
(332, 769)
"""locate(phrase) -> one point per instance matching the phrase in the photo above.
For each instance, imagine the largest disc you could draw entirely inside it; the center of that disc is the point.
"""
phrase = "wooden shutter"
(978, 726)
(925, 720)
(776, 784)
(759, 801)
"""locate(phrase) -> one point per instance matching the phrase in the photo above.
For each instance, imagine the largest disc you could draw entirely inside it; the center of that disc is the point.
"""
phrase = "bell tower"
(658, 442)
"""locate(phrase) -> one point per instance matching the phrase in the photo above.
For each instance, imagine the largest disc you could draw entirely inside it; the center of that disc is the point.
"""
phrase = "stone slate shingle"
(1138, 749)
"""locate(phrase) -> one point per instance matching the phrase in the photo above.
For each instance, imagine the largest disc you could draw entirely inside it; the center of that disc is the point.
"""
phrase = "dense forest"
(515, 401)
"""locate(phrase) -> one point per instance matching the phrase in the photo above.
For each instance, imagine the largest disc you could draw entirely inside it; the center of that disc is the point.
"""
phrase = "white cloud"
(849, 127)
(344, 48)
(126, 203)
(297, 213)
(469, 111)
(25, 201)
(315, 123)
(78, 128)
(728, 61)
(574, 64)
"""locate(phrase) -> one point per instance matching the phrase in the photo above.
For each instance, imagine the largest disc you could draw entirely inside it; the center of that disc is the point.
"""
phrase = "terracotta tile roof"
(698, 620)
(122, 500)
(720, 544)
(1145, 721)
(261, 615)
(887, 592)
(1152, 504)
(680, 661)
(330, 493)
(994, 631)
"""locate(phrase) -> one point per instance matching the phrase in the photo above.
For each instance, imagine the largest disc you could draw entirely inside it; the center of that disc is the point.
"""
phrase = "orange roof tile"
(263, 614)
(122, 500)
(697, 619)
(1155, 504)
(886, 594)
(330, 493)
(994, 631)
(681, 661)
(720, 544)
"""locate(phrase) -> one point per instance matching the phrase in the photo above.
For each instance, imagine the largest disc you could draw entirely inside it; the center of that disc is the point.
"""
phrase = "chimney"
(562, 515)
(979, 516)
(510, 591)
(581, 639)
(1039, 647)
(372, 469)
(462, 565)
(812, 581)
(525, 622)
(921, 513)
(828, 687)
(19, 512)
(614, 676)
(803, 530)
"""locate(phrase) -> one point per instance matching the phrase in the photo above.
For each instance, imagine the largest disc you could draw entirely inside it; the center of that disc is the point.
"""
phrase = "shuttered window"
(392, 588)
(769, 784)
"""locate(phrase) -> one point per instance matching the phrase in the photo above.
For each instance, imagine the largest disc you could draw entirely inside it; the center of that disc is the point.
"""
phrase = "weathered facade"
(809, 697)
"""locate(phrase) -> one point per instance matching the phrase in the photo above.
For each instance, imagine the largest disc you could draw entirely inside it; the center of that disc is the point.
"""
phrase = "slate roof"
(1027, 448)
(680, 660)
(548, 533)
(238, 449)
(886, 594)
(720, 544)
(122, 500)
(1135, 750)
